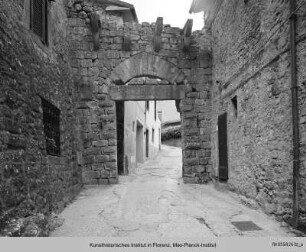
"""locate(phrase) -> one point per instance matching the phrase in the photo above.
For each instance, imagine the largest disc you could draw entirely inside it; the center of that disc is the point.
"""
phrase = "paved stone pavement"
(154, 202)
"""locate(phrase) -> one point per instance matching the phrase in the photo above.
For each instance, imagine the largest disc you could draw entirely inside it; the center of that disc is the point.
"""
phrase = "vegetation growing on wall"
(172, 132)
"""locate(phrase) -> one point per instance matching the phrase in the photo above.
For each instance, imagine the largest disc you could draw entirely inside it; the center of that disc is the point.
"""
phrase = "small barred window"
(51, 121)
(39, 19)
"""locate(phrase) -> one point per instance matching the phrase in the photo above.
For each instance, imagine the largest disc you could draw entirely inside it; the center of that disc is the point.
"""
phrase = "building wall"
(169, 111)
(135, 114)
(154, 126)
(30, 180)
(251, 60)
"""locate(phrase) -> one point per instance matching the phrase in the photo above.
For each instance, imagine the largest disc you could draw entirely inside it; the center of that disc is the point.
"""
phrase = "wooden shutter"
(39, 19)
(223, 154)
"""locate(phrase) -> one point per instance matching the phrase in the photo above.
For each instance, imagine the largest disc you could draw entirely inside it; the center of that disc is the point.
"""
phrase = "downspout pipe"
(295, 116)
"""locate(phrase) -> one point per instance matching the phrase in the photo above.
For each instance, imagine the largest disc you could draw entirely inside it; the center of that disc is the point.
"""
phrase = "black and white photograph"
(152, 125)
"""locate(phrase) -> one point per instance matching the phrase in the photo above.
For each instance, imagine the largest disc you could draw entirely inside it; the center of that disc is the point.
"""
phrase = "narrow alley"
(153, 202)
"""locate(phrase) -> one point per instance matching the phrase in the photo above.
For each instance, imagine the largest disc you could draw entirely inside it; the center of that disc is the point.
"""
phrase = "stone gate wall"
(97, 70)
(251, 60)
(30, 180)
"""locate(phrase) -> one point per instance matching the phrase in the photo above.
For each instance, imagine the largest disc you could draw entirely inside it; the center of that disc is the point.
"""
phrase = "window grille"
(51, 121)
(39, 19)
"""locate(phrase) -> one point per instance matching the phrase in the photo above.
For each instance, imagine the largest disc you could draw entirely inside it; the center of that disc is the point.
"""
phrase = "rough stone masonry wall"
(96, 110)
(301, 79)
(31, 181)
(251, 60)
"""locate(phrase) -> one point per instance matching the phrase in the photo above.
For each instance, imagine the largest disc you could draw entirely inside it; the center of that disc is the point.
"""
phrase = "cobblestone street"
(153, 202)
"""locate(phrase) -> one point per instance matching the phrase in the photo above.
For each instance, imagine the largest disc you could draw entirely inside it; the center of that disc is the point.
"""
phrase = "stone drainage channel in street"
(153, 202)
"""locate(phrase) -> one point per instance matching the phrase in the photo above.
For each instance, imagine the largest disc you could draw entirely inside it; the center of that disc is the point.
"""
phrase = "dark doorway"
(223, 153)
(147, 143)
(120, 136)
(159, 137)
(139, 143)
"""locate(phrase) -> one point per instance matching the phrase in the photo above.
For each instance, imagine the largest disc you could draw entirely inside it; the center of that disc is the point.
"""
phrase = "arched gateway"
(107, 73)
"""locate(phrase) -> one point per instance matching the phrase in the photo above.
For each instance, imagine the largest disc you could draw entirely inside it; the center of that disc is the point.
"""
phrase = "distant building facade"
(168, 111)
(142, 134)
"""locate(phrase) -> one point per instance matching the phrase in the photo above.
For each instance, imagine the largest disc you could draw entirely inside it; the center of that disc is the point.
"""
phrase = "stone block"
(112, 158)
(112, 54)
(94, 151)
(106, 104)
(118, 40)
(88, 9)
(116, 47)
(93, 71)
(207, 153)
(109, 149)
(113, 173)
(101, 158)
(17, 142)
(97, 167)
(83, 71)
(88, 176)
(88, 160)
(192, 146)
(191, 161)
(192, 132)
(193, 95)
(111, 165)
(83, 15)
(186, 108)
(102, 181)
(187, 169)
(100, 143)
(200, 102)
(209, 168)
(86, 63)
(78, 7)
(104, 174)
(203, 161)
(199, 169)
(112, 142)
(189, 115)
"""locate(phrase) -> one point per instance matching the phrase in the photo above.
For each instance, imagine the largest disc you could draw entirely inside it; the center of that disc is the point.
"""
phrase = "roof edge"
(122, 4)
(209, 7)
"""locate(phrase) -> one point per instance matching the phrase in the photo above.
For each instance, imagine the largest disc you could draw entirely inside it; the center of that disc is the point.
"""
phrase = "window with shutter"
(39, 19)
(223, 152)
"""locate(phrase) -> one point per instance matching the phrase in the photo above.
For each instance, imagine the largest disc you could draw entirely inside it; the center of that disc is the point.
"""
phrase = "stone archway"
(104, 75)
(124, 88)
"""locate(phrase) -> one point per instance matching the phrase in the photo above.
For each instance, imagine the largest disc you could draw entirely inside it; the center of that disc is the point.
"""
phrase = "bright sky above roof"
(174, 12)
